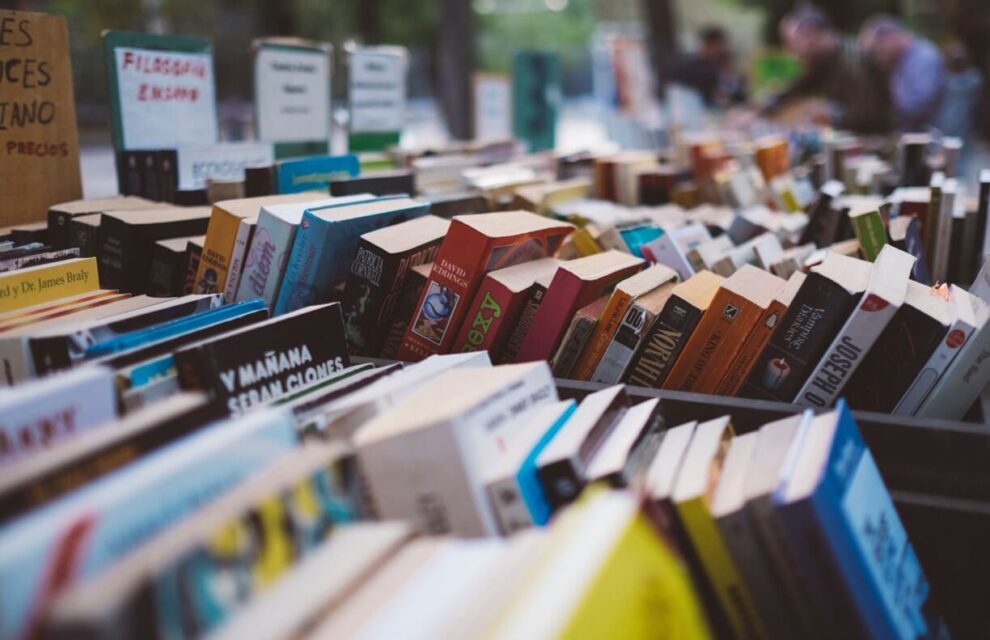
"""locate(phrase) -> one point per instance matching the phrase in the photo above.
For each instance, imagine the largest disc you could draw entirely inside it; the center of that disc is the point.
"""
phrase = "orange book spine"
(702, 357)
(744, 360)
(218, 248)
(611, 318)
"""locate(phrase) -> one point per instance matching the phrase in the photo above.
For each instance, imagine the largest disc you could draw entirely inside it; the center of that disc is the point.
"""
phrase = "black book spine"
(664, 344)
(894, 360)
(168, 176)
(514, 342)
(111, 250)
(561, 482)
(161, 273)
(259, 181)
(807, 328)
(129, 173)
(982, 211)
(58, 229)
(368, 283)
(191, 262)
(822, 222)
(150, 179)
(49, 353)
(958, 250)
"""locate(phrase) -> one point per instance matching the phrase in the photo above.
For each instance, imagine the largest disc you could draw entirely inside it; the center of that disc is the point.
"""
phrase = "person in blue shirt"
(915, 71)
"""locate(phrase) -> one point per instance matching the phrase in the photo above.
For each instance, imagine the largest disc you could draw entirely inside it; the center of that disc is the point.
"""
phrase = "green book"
(870, 231)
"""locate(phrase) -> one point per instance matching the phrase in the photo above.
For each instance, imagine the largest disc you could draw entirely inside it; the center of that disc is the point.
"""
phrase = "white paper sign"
(196, 165)
(167, 98)
(492, 107)
(377, 81)
(292, 94)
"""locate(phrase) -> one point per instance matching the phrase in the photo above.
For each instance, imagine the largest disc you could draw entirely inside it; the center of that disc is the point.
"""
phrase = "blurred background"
(610, 52)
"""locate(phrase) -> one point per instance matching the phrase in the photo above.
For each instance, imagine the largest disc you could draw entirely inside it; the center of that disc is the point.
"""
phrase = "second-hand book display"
(732, 387)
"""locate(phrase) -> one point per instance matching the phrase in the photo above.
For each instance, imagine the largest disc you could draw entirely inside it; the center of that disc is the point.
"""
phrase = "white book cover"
(672, 247)
(963, 322)
(245, 229)
(966, 376)
(884, 294)
(85, 531)
(266, 256)
(421, 458)
(39, 414)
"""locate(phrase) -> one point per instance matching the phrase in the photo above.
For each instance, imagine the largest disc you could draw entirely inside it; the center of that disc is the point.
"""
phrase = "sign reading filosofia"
(292, 92)
(377, 79)
(167, 98)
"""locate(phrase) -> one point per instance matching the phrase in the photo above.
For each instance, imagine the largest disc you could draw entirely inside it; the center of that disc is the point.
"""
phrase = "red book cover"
(497, 305)
(475, 245)
(576, 284)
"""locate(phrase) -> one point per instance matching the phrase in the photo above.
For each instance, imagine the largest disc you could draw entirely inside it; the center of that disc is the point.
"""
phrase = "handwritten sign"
(39, 144)
(377, 88)
(492, 107)
(162, 91)
(292, 91)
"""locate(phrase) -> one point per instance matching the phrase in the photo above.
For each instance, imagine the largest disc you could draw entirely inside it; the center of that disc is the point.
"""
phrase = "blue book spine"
(635, 238)
(171, 329)
(296, 291)
(315, 173)
(867, 538)
(529, 484)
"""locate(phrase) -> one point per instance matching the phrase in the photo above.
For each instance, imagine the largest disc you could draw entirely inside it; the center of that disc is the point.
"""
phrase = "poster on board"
(292, 94)
(39, 142)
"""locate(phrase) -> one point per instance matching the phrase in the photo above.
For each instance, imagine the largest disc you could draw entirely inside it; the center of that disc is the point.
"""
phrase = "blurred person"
(963, 85)
(914, 67)
(836, 70)
(710, 71)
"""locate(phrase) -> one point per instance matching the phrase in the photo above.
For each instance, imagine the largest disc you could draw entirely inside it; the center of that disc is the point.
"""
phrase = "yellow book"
(615, 310)
(610, 575)
(585, 244)
(36, 285)
(221, 236)
(693, 492)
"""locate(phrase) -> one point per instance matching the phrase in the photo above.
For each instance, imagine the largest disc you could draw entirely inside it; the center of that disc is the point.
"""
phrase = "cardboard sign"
(292, 90)
(492, 107)
(225, 161)
(39, 144)
(162, 91)
(377, 92)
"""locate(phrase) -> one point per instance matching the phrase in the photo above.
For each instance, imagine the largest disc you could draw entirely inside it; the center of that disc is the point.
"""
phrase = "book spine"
(19, 290)
(298, 286)
(572, 345)
(46, 257)
(264, 265)
(871, 233)
(129, 172)
(612, 317)
(162, 278)
(806, 329)
(625, 344)
(963, 382)
(193, 253)
(371, 277)
(552, 317)
(412, 289)
(511, 511)
(930, 226)
(743, 363)
(894, 361)
(527, 316)
(561, 482)
(846, 352)
(487, 317)
(58, 229)
(151, 181)
(168, 177)
(49, 353)
(982, 211)
(664, 343)
(959, 333)
(221, 234)
(457, 270)
(237, 257)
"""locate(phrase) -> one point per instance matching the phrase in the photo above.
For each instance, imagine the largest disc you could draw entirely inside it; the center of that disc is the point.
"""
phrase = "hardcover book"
(268, 253)
(374, 283)
(221, 236)
(622, 297)
(45, 283)
(818, 311)
(127, 238)
(575, 284)
(577, 336)
(325, 246)
(261, 363)
(672, 329)
(901, 350)
(474, 246)
(740, 303)
(494, 312)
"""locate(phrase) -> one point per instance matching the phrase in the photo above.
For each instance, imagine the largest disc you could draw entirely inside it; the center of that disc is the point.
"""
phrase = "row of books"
(445, 498)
